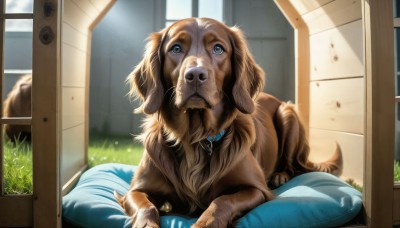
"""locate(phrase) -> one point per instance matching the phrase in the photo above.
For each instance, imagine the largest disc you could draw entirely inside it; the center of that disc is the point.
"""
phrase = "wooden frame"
(381, 199)
(43, 207)
(20, 210)
(46, 63)
(379, 193)
(379, 72)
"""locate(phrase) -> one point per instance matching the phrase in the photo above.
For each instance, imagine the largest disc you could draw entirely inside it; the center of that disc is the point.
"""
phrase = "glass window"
(211, 8)
(17, 93)
(19, 25)
(178, 9)
(19, 6)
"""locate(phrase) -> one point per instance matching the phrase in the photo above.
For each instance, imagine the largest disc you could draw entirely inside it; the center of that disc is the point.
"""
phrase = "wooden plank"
(323, 145)
(338, 105)
(74, 38)
(396, 22)
(302, 67)
(73, 106)
(74, 67)
(70, 184)
(380, 115)
(291, 13)
(88, 8)
(16, 120)
(2, 31)
(332, 15)
(396, 205)
(74, 16)
(302, 59)
(304, 7)
(17, 16)
(16, 211)
(101, 4)
(45, 116)
(337, 52)
(73, 152)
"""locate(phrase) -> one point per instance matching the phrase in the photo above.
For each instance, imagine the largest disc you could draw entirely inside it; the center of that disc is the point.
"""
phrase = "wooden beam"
(396, 205)
(46, 113)
(16, 211)
(17, 16)
(396, 22)
(16, 120)
(380, 116)
(302, 59)
(2, 31)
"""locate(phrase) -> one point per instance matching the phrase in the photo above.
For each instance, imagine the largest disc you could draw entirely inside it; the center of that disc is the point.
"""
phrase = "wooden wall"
(79, 17)
(334, 80)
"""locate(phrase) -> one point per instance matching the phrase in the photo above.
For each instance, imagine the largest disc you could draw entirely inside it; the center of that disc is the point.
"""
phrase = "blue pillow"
(309, 200)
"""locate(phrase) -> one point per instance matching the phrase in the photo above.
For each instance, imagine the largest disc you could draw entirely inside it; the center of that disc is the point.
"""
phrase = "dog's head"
(200, 63)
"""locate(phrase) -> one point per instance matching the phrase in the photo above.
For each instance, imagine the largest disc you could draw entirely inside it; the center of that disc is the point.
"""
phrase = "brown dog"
(212, 140)
(18, 104)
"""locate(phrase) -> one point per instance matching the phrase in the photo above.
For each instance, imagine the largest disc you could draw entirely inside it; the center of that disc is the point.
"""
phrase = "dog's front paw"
(146, 218)
(210, 219)
(209, 222)
(280, 178)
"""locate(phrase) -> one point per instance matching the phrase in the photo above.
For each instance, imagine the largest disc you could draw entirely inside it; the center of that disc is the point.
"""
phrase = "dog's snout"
(194, 74)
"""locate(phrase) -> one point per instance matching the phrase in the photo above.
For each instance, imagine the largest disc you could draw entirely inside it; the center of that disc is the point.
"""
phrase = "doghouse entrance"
(60, 68)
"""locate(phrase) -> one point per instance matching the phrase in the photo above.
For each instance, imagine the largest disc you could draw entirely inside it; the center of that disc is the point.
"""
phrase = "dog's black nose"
(196, 74)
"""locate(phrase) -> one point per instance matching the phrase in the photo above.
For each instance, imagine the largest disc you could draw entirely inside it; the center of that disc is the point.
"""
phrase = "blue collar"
(208, 143)
(216, 137)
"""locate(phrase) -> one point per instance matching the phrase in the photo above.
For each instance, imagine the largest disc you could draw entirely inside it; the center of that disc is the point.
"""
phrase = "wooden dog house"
(345, 93)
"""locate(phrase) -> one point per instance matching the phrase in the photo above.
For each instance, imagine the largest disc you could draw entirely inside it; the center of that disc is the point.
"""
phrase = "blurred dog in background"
(18, 104)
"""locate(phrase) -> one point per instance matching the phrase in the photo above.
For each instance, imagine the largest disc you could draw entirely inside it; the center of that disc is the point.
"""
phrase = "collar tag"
(208, 143)
(208, 146)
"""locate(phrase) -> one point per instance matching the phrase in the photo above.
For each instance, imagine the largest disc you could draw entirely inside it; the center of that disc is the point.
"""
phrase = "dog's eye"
(176, 48)
(218, 49)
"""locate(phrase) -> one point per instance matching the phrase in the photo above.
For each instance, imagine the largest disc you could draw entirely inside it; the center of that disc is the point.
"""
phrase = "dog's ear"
(145, 80)
(249, 77)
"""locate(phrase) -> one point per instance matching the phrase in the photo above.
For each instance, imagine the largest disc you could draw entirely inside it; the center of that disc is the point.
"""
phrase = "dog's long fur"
(18, 104)
(198, 78)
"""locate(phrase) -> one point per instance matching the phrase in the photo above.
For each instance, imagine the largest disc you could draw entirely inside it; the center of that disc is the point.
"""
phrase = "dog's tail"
(295, 148)
(333, 165)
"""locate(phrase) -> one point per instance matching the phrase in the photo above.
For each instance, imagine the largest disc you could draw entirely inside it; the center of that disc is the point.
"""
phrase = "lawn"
(114, 150)
(18, 160)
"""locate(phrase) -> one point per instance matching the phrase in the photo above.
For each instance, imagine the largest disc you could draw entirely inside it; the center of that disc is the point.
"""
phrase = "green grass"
(114, 150)
(397, 172)
(18, 160)
(17, 168)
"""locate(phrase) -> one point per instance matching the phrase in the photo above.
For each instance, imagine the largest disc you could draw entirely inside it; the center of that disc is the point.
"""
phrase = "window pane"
(179, 9)
(396, 8)
(19, 25)
(17, 160)
(211, 8)
(19, 6)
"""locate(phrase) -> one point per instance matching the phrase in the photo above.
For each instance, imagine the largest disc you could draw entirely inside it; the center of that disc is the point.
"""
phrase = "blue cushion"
(309, 200)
